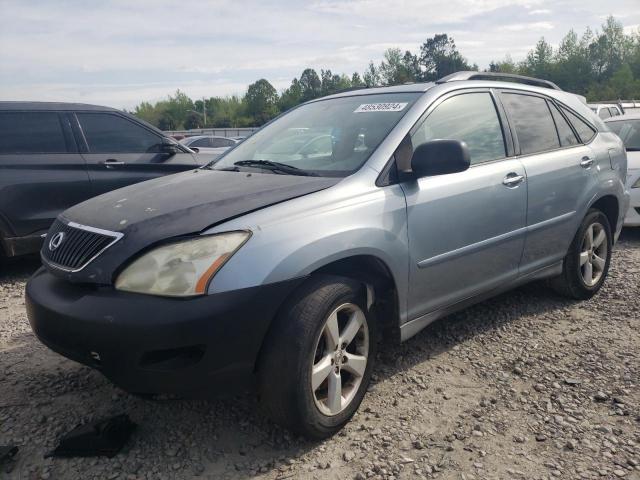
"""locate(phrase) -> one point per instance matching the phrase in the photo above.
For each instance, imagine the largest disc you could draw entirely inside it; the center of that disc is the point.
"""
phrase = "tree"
(439, 57)
(539, 61)
(505, 66)
(310, 84)
(356, 80)
(261, 101)
(398, 68)
(371, 76)
(193, 120)
(292, 96)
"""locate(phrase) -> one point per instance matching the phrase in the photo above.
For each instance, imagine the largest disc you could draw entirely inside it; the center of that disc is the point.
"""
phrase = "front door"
(466, 230)
(121, 152)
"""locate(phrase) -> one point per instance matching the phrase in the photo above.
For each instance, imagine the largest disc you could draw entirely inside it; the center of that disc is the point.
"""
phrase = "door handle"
(586, 162)
(513, 179)
(112, 162)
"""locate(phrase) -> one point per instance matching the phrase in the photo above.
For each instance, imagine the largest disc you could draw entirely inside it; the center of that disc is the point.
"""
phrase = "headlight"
(181, 269)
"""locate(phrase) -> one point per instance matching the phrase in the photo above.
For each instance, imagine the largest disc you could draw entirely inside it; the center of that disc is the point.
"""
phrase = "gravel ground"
(527, 385)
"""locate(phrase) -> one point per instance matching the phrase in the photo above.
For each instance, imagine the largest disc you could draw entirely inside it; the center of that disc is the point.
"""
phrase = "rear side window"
(532, 121)
(31, 132)
(471, 118)
(567, 137)
(220, 142)
(604, 113)
(109, 133)
(201, 142)
(585, 131)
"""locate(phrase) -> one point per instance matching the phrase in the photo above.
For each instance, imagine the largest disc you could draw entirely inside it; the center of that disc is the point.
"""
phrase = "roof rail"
(510, 77)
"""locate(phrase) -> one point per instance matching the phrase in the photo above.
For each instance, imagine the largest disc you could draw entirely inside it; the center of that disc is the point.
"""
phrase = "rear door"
(466, 230)
(41, 171)
(561, 170)
(119, 151)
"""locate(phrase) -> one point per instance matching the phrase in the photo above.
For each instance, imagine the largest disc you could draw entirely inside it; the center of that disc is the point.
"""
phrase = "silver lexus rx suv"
(352, 219)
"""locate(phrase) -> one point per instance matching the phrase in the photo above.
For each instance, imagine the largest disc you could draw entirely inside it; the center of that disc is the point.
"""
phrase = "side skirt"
(414, 326)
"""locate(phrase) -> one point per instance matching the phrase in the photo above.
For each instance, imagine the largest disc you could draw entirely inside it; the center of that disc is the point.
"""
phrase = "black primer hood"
(176, 205)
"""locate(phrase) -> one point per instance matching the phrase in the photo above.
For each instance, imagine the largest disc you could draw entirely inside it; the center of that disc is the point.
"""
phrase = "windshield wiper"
(275, 166)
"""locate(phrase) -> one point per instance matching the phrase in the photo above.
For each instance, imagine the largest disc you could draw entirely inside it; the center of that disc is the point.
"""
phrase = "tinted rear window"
(31, 132)
(585, 131)
(533, 123)
(567, 137)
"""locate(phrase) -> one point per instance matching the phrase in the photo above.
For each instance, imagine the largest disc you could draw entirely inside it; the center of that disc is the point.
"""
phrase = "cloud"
(120, 52)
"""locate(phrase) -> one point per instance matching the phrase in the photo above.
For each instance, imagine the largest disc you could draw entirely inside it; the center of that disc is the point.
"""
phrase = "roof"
(57, 106)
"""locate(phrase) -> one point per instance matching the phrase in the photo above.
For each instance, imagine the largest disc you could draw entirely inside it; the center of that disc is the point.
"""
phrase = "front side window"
(110, 133)
(585, 131)
(628, 131)
(332, 137)
(471, 118)
(533, 123)
(31, 132)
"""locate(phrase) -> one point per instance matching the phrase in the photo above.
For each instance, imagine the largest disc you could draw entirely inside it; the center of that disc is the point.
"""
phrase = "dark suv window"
(471, 118)
(31, 132)
(533, 123)
(585, 131)
(110, 133)
(567, 137)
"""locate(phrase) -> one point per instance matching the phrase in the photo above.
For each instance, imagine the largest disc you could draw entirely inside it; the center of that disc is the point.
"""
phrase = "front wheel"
(587, 263)
(317, 360)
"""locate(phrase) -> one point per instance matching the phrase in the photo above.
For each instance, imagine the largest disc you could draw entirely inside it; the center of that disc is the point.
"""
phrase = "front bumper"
(147, 344)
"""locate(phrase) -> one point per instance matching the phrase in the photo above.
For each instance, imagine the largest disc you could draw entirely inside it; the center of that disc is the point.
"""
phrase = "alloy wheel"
(340, 359)
(593, 254)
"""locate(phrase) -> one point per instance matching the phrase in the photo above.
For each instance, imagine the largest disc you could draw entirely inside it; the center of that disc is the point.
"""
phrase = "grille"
(71, 246)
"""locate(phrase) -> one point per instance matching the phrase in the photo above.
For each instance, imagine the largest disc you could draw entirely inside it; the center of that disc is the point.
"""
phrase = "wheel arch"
(378, 280)
(609, 205)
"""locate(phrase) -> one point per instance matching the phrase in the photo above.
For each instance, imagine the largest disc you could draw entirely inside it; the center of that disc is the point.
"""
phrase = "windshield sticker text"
(380, 107)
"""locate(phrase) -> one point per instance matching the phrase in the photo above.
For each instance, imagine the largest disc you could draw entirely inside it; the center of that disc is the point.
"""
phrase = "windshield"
(331, 137)
(628, 131)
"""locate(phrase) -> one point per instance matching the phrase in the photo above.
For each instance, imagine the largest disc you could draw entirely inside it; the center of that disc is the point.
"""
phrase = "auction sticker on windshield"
(380, 107)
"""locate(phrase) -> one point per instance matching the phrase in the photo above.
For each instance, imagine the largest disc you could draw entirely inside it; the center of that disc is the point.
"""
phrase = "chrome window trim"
(115, 235)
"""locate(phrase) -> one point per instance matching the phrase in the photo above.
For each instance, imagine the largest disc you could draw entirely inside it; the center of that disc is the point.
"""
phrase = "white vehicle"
(606, 110)
(209, 144)
(627, 127)
(630, 106)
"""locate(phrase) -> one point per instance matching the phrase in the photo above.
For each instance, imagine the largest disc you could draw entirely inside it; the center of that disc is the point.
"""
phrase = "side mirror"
(169, 147)
(195, 149)
(439, 157)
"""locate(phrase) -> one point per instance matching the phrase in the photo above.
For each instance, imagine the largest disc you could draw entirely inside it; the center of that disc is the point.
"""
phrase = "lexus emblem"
(56, 240)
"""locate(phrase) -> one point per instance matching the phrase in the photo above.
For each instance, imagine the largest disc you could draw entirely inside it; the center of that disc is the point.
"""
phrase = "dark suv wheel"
(317, 361)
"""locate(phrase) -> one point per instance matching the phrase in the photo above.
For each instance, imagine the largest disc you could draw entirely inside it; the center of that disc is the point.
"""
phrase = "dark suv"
(55, 155)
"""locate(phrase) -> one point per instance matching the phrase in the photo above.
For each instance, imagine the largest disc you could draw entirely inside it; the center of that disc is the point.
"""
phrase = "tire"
(573, 282)
(300, 341)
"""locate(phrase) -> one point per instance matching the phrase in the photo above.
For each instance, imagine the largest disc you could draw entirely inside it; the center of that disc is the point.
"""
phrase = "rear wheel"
(587, 263)
(316, 365)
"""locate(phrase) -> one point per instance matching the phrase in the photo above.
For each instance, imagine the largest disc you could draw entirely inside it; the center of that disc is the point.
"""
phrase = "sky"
(121, 52)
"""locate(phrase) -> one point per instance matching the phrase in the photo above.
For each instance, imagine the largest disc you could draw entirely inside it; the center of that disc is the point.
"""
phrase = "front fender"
(293, 239)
